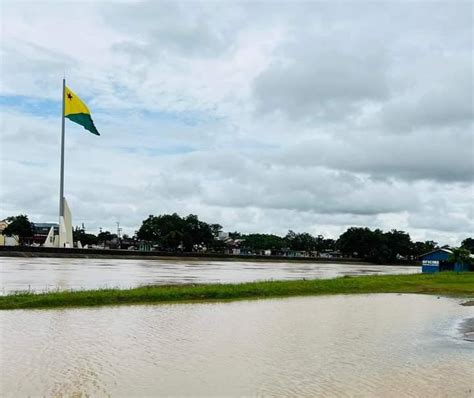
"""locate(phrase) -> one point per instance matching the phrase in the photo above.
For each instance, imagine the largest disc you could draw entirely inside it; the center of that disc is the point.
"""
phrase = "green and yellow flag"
(77, 111)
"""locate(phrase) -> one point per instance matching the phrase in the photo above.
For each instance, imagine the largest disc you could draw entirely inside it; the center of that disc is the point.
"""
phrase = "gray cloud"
(161, 27)
(439, 155)
(318, 78)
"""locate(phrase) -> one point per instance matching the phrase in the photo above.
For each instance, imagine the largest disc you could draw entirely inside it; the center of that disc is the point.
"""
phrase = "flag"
(77, 111)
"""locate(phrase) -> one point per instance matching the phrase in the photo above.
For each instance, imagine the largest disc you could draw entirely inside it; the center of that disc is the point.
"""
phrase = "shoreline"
(443, 284)
(120, 254)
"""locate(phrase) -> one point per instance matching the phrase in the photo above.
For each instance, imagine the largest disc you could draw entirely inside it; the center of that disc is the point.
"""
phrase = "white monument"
(65, 227)
(50, 240)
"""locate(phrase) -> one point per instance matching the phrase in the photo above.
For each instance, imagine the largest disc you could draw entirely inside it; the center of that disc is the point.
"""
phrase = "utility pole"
(119, 230)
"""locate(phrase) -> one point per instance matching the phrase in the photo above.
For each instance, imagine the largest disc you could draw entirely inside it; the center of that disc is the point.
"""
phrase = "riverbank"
(52, 252)
(446, 284)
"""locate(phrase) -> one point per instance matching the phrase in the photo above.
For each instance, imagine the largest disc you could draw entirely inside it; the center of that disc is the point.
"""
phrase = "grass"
(446, 284)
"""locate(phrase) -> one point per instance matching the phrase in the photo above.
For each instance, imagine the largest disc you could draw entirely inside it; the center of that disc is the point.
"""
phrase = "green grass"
(446, 284)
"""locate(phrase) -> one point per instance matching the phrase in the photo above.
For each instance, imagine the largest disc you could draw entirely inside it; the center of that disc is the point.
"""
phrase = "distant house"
(330, 254)
(438, 260)
(144, 247)
(223, 236)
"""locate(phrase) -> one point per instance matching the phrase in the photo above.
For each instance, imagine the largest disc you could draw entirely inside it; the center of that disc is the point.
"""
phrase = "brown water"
(382, 345)
(45, 274)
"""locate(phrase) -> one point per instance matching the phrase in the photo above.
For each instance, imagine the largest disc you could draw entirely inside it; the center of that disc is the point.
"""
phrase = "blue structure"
(461, 267)
(433, 261)
(437, 261)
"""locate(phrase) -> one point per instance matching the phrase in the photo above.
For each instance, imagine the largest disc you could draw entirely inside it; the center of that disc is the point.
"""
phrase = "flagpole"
(61, 183)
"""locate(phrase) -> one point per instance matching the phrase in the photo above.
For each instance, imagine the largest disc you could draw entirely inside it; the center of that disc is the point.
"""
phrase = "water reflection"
(42, 274)
(378, 345)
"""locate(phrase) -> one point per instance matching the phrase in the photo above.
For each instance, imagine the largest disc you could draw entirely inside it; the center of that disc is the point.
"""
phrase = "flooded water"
(382, 345)
(45, 274)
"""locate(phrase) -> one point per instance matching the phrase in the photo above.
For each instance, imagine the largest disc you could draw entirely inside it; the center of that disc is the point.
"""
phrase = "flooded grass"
(446, 284)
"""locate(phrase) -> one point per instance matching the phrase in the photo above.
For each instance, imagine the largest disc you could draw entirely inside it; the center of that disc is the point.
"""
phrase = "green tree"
(105, 236)
(328, 244)
(461, 256)
(360, 242)
(171, 232)
(165, 230)
(262, 242)
(399, 243)
(420, 248)
(216, 229)
(197, 232)
(468, 244)
(301, 241)
(218, 246)
(374, 245)
(79, 234)
(19, 226)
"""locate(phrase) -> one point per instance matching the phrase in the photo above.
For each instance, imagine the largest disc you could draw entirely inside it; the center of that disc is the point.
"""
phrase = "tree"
(420, 248)
(359, 242)
(19, 226)
(319, 243)
(376, 245)
(165, 230)
(197, 232)
(216, 229)
(301, 241)
(235, 235)
(79, 234)
(105, 237)
(328, 244)
(171, 232)
(218, 246)
(460, 256)
(262, 242)
(399, 244)
(468, 244)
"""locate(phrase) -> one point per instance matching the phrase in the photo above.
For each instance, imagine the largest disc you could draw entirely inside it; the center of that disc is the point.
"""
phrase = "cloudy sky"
(260, 116)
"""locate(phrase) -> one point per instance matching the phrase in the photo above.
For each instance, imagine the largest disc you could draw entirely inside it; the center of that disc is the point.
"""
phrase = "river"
(381, 345)
(46, 274)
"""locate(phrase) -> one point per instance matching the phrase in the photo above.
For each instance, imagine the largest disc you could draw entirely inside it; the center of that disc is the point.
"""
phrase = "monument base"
(65, 227)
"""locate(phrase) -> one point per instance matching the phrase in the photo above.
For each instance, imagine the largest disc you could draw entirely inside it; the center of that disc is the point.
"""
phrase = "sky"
(259, 116)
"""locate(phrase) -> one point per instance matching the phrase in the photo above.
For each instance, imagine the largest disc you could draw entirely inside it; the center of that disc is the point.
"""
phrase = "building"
(223, 236)
(438, 260)
(41, 230)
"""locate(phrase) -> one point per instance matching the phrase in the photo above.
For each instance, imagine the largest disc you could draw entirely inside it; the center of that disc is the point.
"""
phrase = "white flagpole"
(61, 184)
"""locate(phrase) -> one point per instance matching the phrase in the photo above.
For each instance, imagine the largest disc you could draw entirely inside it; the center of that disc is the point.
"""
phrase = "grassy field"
(446, 284)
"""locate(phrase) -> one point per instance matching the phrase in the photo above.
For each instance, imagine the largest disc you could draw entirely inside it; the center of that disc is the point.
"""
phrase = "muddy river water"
(46, 274)
(381, 345)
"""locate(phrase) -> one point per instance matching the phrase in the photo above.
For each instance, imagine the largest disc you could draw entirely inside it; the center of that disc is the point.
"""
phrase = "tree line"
(171, 232)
